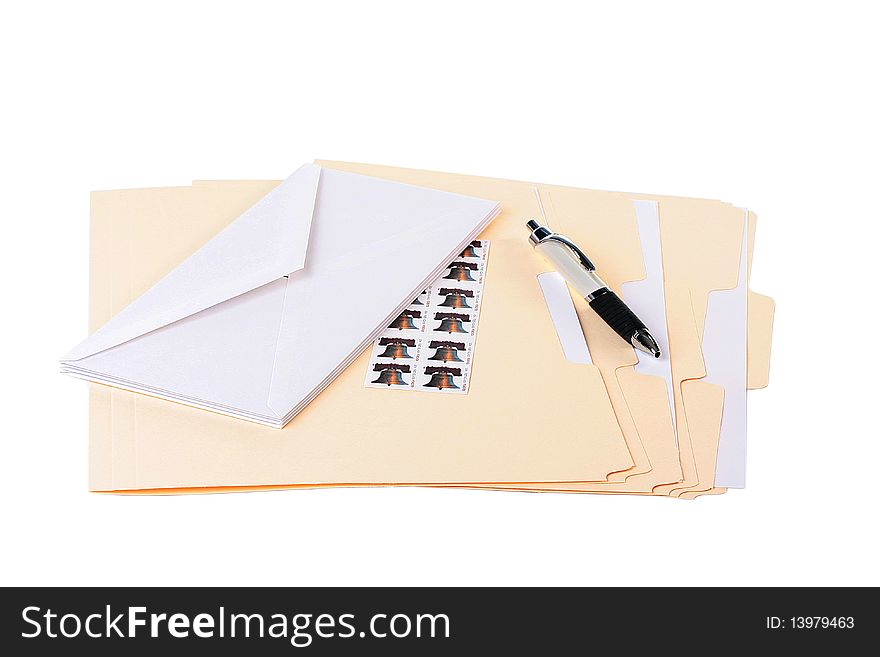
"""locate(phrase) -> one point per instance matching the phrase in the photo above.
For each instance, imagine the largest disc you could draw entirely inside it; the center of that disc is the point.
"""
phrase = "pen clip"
(582, 258)
(542, 234)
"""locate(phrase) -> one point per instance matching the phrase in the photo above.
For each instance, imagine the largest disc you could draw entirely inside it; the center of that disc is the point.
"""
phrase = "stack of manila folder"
(544, 411)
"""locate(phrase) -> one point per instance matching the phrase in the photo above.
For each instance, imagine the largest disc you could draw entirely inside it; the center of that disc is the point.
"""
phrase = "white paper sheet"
(647, 298)
(725, 339)
(564, 317)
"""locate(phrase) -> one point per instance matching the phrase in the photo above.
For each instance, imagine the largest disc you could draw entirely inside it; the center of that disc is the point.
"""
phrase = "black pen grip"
(615, 313)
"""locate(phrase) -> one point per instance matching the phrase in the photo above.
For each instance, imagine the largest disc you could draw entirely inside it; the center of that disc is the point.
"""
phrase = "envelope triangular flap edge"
(367, 263)
(266, 242)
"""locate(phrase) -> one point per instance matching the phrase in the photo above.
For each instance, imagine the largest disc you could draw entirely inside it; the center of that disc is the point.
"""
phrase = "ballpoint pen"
(580, 273)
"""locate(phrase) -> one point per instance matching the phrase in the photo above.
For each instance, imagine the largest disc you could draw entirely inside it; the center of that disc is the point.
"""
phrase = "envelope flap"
(376, 245)
(267, 242)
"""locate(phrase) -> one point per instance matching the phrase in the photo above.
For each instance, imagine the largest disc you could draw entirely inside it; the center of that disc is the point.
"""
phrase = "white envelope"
(261, 318)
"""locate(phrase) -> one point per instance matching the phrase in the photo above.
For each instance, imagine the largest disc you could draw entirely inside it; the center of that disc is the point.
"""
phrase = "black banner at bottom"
(428, 621)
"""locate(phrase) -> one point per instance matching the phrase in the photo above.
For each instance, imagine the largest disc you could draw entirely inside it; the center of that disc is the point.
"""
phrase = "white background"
(770, 105)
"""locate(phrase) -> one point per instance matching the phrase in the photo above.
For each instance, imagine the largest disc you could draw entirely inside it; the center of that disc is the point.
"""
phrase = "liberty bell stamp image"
(451, 322)
(391, 374)
(442, 378)
(396, 347)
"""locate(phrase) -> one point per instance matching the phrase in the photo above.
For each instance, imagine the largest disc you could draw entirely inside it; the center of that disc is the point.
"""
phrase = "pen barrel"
(585, 281)
(615, 313)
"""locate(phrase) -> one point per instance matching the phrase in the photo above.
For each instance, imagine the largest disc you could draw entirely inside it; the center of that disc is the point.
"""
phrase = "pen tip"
(644, 341)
